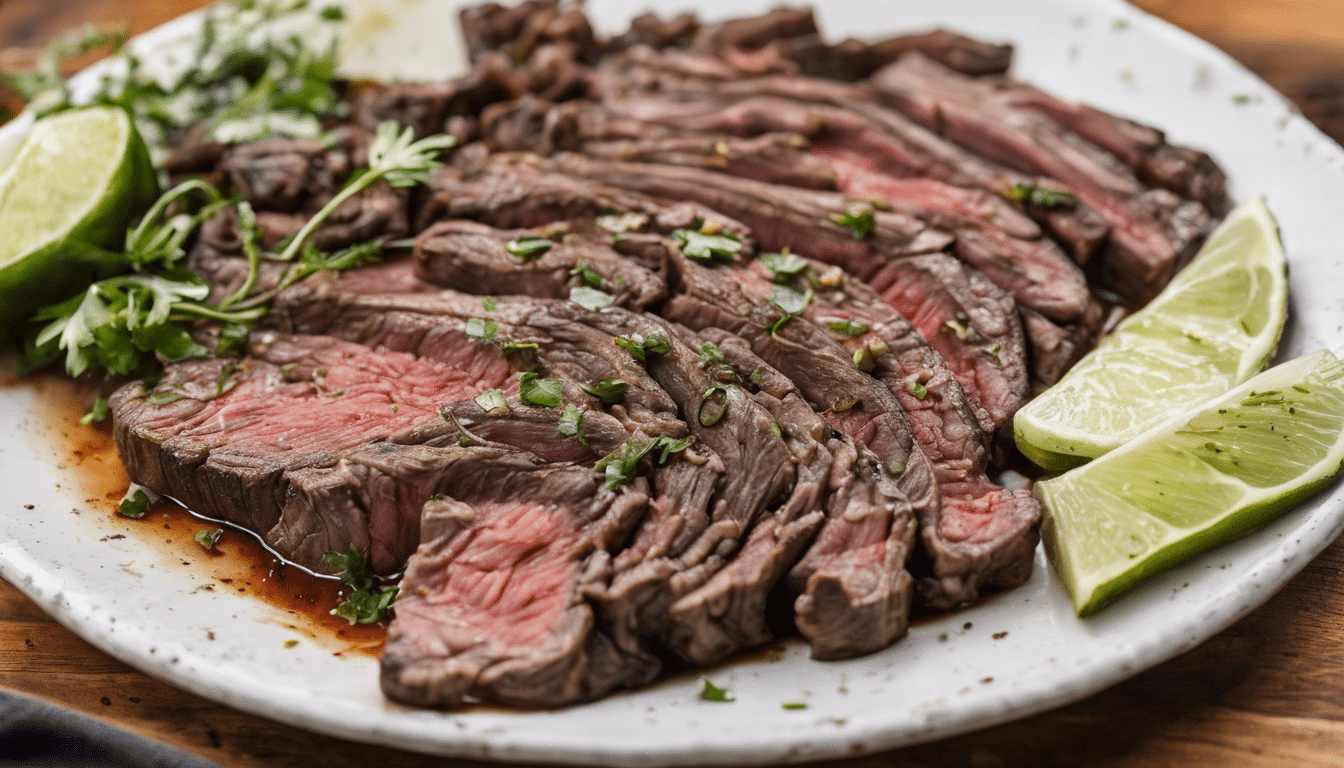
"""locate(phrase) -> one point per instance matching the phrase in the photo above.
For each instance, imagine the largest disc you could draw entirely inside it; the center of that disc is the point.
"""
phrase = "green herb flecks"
(571, 422)
(135, 504)
(208, 537)
(492, 402)
(860, 221)
(711, 249)
(609, 391)
(844, 325)
(544, 393)
(589, 276)
(479, 328)
(528, 248)
(640, 347)
(711, 692)
(790, 302)
(784, 266)
(367, 602)
(713, 405)
(622, 465)
(97, 413)
(591, 299)
(1044, 198)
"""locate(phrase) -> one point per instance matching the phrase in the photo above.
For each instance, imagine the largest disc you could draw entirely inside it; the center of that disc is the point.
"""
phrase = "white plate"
(1019, 653)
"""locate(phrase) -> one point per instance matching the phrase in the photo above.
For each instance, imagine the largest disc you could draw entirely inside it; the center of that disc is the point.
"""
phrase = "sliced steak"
(1144, 250)
(469, 256)
(493, 601)
(448, 107)
(232, 440)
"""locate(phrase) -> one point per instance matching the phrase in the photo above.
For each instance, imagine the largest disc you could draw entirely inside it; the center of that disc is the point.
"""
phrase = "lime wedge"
(76, 181)
(1214, 326)
(1203, 477)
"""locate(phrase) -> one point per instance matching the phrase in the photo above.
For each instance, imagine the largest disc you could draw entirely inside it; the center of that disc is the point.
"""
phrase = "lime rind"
(1196, 481)
(1214, 326)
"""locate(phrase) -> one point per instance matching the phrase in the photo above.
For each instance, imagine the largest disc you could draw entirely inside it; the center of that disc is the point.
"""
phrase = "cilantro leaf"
(571, 422)
(784, 265)
(492, 402)
(1045, 198)
(711, 692)
(711, 249)
(478, 328)
(790, 302)
(844, 325)
(609, 391)
(135, 505)
(208, 537)
(528, 248)
(534, 390)
(591, 299)
(860, 223)
(622, 465)
(367, 602)
(97, 413)
(640, 346)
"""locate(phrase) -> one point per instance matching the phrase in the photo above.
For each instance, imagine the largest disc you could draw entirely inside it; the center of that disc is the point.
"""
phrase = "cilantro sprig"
(367, 602)
(622, 465)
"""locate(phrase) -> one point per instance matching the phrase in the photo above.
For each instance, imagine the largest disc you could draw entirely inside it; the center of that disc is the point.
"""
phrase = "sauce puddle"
(239, 563)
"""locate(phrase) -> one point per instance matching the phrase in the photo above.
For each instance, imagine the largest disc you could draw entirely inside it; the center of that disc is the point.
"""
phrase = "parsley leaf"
(534, 390)
(860, 223)
(366, 603)
(97, 413)
(1045, 198)
(622, 465)
(784, 265)
(711, 249)
(711, 692)
(571, 422)
(478, 328)
(591, 299)
(609, 391)
(528, 248)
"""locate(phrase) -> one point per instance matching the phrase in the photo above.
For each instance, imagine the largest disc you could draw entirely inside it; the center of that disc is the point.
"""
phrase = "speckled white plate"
(1019, 653)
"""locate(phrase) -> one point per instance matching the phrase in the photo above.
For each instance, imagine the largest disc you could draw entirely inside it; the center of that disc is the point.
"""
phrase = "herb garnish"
(609, 391)
(784, 265)
(97, 413)
(588, 275)
(788, 301)
(1045, 198)
(713, 405)
(859, 221)
(208, 537)
(528, 248)
(480, 328)
(711, 692)
(620, 223)
(639, 346)
(571, 423)
(367, 602)
(489, 304)
(844, 325)
(135, 504)
(622, 465)
(711, 249)
(492, 402)
(534, 390)
(591, 299)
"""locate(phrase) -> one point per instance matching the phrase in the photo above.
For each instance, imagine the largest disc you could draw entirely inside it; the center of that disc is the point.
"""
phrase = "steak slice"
(469, 256)
(852, 592)
(1145, 248)
(233, 441)
(492, 603)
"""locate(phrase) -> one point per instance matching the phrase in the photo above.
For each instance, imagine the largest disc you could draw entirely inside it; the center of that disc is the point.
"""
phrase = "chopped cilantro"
(97, 413)
(713, 405)
(608, 391)
(639, 346)
(794, 705)
(711, 249)
(591, 299)
(517, 346)
(588, 275)
(711, 692)
(528, 248)
(489, 304)
(208, 537)
(620, 223)
(622, 465)
(860, 223)
(710, 351)
(164, 398)
(534, 390)
(844, 326)
(492, 402)
(1045, 198)
(788, 301)
(332, 13)
(920, 390)
(135, 505)
(571, 422)
(784, 265)
(367, 602)
(478, 328)
(232, 339)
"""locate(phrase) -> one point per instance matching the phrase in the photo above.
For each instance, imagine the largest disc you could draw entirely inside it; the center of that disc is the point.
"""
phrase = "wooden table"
(1267, 692)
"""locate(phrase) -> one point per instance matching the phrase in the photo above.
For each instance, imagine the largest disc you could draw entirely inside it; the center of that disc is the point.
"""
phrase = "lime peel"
(1201, 478)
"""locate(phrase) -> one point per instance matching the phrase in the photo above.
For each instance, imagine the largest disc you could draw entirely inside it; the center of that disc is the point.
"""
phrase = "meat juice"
(239, 562)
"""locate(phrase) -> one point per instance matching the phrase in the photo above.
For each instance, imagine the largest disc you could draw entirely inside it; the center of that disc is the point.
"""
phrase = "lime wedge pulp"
(1203, 477)
(76, 181)
(1213, 327)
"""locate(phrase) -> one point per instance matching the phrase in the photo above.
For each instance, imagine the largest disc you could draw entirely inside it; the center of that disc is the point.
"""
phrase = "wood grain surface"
(1269, 691)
